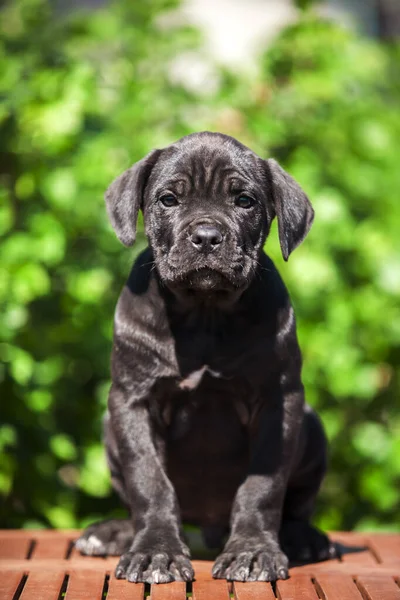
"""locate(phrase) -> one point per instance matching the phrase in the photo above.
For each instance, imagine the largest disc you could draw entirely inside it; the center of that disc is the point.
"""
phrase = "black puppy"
(207, 421)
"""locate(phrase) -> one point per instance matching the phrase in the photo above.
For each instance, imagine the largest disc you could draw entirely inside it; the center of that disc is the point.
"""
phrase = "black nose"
(206, 237)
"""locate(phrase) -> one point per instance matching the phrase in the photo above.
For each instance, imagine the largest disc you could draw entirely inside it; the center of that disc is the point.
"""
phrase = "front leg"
(252, 552)
(158, 553)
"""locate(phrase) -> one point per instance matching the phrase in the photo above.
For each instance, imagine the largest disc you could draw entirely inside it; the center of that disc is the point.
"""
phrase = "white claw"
(156, 576)
(96, 543)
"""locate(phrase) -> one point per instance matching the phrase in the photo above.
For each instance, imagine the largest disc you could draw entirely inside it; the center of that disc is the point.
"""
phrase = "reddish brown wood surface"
(377, 587)
(9, 582)
(253, 591)
(119, 589)
(301, 587)
(41, 586)
(330, 587)
(174, 591)
(43, 565)
(217, 589)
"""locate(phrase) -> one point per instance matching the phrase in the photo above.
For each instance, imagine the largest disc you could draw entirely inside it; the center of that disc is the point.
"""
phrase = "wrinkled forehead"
(209, 167)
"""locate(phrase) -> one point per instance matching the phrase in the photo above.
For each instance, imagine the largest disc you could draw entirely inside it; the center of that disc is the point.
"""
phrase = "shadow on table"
(339, 550)
(200, 552)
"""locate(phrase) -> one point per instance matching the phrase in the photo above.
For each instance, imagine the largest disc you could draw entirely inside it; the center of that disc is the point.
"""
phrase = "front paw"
(245, 560)
(106, 538)
(160, 565)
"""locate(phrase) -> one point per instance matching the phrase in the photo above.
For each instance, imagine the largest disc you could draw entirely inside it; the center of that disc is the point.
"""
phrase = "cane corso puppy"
(207, 422)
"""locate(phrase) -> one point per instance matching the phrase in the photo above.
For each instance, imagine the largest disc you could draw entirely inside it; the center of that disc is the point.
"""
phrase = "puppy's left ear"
(125, 195)
(292, 208)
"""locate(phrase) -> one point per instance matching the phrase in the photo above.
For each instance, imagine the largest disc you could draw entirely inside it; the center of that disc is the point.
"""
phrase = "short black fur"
(207, 421)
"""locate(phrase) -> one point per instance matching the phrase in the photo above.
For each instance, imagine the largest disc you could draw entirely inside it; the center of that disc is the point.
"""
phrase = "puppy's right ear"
(125, 195)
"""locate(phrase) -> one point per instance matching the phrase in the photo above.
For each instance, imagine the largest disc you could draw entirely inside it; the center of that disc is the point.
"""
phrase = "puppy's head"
(208, 203)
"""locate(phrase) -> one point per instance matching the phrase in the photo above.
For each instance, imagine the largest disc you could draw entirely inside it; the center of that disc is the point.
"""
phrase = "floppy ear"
(292, 208)
(125, 195)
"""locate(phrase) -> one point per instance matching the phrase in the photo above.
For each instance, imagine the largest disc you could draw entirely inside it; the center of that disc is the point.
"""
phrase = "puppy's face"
(207, 214)
(208, 202)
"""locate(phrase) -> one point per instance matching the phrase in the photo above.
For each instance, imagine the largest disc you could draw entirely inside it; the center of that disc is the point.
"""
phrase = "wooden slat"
(11, 547)
(85, 562)
(375, 587)
(299, 587)
(355, 549)
(102, 565)
(216, 589)
(9, 582)
(258, 590)
(386, 546)
(120, 589)
(39, 533)
(360, 558)
(85, 585)
(169, 591)
(346, 568)
(349, 538)
(42, 586)
(97, 564)
(50, 548)
(202, 570)
(337, 588)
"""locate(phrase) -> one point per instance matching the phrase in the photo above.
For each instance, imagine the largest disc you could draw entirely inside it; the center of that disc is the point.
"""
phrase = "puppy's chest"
(215, 362)
(208, 397)
(200, 343)
(212, 405)
(193, 379)
(218, 371)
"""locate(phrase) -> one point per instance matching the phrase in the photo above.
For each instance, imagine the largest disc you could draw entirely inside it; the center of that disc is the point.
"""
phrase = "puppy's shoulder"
(140, 275)
(140, 301)
(278, 309)
(271, 285)
(142, 342)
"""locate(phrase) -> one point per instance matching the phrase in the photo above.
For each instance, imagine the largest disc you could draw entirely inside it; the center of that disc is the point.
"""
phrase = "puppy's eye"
(169, 200)
(244, 201)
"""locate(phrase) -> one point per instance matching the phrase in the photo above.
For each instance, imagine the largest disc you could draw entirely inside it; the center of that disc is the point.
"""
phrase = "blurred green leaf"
(63, 447)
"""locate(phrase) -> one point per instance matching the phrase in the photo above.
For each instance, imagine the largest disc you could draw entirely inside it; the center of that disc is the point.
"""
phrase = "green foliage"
(82, 98)
(326, 106)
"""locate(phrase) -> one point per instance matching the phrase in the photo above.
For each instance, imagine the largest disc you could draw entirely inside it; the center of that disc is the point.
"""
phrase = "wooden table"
(44, 565)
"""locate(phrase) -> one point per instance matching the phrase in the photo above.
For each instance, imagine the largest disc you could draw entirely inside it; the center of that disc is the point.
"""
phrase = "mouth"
(206, 280)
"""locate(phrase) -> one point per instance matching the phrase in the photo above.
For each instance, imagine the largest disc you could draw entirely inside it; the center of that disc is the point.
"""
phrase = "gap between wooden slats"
(11, 547)
(11, 584)
(258, 590)
(43, 586)
(299, 587)
(336, 587)
(376, 587)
